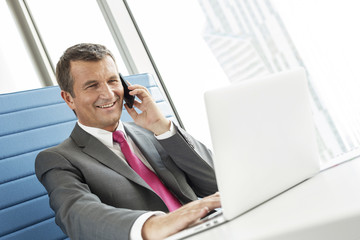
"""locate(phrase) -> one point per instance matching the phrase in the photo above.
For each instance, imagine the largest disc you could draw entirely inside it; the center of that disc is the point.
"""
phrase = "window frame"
(122, 25)
(131, 44)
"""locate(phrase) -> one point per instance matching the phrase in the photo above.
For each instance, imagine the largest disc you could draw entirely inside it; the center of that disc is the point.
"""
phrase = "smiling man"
(114, 180)
(95, 96)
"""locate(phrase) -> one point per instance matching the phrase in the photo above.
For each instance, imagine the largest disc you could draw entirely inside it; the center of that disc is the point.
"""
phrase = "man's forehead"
(93, 70)
(83, 62)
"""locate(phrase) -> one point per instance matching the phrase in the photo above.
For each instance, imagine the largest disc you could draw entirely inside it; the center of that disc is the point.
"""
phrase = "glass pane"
(64, 23)
(197, 43)
(173, 31)
(327, 40)
(16, 70)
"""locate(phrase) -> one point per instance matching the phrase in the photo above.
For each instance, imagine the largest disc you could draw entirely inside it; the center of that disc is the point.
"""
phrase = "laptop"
(264, 142)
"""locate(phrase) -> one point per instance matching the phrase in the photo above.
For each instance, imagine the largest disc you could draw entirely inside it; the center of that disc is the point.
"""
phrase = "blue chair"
(31, 121)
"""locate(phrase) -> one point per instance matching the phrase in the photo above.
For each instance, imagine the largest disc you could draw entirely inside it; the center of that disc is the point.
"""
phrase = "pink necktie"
(145, 173)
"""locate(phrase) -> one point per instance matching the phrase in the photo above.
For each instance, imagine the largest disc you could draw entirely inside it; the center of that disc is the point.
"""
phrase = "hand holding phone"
(149, 115)
(129, 100)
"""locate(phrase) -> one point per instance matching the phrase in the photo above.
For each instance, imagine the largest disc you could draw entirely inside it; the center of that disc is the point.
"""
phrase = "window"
(173, 32)
(327, 41)
(17, 72)
(204, 44)
(64, 23)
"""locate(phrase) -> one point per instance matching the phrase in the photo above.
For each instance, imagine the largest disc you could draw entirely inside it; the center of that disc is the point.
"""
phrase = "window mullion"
(130, 43)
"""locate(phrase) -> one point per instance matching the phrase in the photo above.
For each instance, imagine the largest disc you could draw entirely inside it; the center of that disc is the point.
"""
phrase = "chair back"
(31, 121)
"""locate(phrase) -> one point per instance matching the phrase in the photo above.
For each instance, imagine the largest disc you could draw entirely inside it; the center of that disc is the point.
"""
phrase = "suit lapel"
(160, 162)
(146, 146)
(94, 148)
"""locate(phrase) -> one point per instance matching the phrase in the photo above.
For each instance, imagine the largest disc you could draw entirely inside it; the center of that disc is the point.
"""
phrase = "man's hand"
(160, 227)
(150, 117)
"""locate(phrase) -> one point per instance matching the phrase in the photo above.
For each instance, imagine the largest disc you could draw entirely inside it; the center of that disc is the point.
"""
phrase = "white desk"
(326, 206)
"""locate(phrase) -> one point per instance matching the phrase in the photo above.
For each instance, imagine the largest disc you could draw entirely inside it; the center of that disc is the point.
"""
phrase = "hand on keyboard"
(160, 227)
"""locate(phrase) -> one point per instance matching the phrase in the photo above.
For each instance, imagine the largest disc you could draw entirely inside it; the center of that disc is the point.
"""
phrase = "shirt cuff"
(135, 232)
(167, 134)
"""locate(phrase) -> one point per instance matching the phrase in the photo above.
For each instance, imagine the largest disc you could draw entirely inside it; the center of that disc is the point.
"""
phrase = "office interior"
(190, 47)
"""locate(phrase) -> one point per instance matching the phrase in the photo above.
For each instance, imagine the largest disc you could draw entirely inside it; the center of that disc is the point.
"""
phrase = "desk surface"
(326, 206)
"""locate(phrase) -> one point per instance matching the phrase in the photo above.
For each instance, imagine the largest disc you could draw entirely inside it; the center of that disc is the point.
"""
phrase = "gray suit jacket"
(95, 195)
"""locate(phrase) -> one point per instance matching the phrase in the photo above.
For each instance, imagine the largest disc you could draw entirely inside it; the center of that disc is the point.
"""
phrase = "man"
(94, 189)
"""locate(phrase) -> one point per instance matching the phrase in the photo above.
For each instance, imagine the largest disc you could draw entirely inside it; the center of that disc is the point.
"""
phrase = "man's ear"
(68, 99)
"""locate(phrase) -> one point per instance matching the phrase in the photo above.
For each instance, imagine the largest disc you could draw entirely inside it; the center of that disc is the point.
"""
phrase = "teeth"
(106, 106)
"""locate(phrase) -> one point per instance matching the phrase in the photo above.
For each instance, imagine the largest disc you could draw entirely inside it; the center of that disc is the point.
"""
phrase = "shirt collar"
(102, 135)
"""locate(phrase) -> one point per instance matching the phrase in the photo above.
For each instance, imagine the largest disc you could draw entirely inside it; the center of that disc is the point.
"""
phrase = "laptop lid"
(263, 138)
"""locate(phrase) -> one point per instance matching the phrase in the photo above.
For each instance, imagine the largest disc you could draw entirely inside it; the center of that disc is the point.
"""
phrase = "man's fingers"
(137, 104)
(132, 112)
(189, 214)
(139, 91)
(202, 207)
(136, 86)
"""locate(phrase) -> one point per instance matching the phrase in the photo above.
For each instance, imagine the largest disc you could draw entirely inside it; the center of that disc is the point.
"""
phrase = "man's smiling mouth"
(107, 105)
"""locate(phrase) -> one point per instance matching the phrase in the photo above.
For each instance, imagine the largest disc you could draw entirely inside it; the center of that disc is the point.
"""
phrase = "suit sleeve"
(79, 213)
(194, 159)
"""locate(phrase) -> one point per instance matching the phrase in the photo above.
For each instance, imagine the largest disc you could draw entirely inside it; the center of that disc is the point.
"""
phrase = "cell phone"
(129, 100)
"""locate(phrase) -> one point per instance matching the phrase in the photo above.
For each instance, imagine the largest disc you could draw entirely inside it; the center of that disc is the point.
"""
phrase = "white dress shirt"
(106, 138)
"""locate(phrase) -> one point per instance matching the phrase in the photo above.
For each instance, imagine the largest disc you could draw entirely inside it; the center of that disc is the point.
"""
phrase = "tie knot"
(119, 136)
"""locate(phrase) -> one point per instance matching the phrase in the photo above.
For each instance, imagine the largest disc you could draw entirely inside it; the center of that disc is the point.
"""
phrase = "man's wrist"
(171, 132)
(163, 127)
(136, 229)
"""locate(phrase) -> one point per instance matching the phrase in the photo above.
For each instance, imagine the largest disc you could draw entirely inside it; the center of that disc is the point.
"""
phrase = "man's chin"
(111, 125)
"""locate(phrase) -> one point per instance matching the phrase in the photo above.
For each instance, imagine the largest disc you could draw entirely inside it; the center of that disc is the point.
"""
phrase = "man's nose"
(106, 91)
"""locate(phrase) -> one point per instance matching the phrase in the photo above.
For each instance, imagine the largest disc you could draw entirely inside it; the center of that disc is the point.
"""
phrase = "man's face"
(98, 93)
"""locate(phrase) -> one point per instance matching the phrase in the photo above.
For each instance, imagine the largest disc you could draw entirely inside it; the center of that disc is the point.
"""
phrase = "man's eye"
(91, 86)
